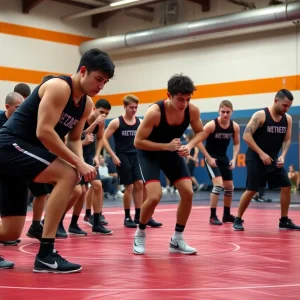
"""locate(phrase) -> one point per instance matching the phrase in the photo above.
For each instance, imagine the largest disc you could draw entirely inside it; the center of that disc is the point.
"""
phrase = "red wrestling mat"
(259, 263)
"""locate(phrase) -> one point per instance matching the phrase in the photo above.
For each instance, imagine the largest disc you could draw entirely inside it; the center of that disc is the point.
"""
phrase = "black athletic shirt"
(124, 136)
(218, 141)
(23, 122)
(3, 118)
(269, 137)
(165, 133)
(89, 150)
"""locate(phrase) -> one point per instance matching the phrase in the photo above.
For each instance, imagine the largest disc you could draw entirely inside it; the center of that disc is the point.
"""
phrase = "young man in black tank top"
(268, 131)
(31, 149)
(218, 134)
(123, 129)
(159, 148)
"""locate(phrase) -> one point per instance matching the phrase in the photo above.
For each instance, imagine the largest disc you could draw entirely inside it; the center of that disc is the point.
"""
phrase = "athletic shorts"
(222, 168)
(191, 167)
(129, 171)
(20, 163)
(170, 163)
(258, 175)
(40, 189)
(89, 160)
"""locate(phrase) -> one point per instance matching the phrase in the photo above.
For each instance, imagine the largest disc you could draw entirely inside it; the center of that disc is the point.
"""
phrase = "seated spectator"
(109, 183)
(112, 171)
(294, 177)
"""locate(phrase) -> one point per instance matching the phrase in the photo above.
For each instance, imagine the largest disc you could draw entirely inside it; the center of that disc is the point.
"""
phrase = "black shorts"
(258, 175)
(20, 163)
(222, 168)
(39, 189)
(89, 160)
(191, 167)
(170, 163)
(129, 171)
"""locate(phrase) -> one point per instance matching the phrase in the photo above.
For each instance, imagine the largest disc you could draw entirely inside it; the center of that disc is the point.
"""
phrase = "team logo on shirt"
(128, 132)
(276, 129)
(223, 136)
(67, 120)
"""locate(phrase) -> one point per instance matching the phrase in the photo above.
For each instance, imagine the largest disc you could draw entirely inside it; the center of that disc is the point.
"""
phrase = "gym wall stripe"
(225, 89)
(42, 34)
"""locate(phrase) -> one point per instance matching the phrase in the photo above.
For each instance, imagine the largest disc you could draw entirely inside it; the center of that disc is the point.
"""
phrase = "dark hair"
(180, 84)
(103, 103)
(12, 97)
(284, 94)
(47, 77)
(23, 89)
(96, 60)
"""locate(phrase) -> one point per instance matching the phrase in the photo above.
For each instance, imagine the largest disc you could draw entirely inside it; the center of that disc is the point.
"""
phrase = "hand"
(232, 164)
(100, 119)
(266, 159)
(280, 162)
(96, 161)
(86, 170)
(116, 161)
(212, 162)
(174, 145)
(89, 138)
(184, 150)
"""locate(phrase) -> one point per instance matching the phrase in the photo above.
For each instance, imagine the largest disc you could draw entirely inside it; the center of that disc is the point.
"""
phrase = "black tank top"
(124, 136)
(165, 133)
(3, 118)
(218, 141)
(269, 137)
(23, 122)
(89, 150)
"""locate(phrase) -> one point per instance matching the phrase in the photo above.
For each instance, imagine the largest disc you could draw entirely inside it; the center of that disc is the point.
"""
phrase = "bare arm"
(207, 130)
(287, 139)
(74, 137)
(109, 131)
(54, 97)
(99, 144)
(236, 141)
(151, 119)
(255, 122)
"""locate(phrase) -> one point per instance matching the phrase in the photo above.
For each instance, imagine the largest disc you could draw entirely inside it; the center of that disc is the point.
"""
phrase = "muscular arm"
(287, 139)
(54, 97)
(255, 122)
(74, 137)
(99, 140)
(236, 141)
(109, 131)
(207, 130)
(151, 119)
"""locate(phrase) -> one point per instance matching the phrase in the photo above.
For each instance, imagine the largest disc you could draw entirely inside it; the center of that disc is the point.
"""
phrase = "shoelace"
(140, 240)
(58, 257)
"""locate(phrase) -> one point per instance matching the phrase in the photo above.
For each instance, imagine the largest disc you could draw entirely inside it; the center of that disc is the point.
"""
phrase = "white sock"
(177, 236)
(140, 231)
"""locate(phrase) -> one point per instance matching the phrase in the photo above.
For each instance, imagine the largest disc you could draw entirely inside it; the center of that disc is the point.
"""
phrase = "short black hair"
(23, 89)
(97, 60)
(179, 83)
(284, 93)
(103, 103)
(47, 77)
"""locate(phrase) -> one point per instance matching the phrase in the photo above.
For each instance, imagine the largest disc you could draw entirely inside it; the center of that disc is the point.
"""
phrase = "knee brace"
(228, 191)
(217, 189)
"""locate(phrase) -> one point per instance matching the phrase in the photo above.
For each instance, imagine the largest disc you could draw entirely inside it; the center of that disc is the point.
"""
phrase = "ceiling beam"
(73, 3)
(146, 8)
(204, 3)
(28, 5)
(100, 18)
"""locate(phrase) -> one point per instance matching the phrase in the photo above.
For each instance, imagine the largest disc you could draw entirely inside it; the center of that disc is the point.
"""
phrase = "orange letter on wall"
(241, 160)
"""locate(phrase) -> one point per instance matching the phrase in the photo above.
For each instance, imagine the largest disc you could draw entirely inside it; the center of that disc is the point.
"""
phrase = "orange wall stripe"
(42, 34)
(246, 87)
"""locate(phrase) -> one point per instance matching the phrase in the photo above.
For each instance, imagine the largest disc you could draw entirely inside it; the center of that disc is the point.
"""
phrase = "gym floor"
(262, 262)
